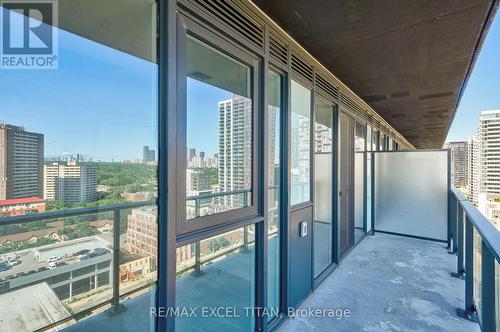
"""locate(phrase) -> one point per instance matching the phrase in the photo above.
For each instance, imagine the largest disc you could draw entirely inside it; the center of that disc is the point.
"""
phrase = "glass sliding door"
(300, 145)
(274, 191)
(359, 179)
(323, 186)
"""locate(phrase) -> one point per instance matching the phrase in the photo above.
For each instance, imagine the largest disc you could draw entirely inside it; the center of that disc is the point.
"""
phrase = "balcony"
(390, 283)
(269, 187)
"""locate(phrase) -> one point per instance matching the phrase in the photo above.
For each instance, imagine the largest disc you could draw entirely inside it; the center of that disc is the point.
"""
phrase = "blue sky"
(100, 102)
(483, 89)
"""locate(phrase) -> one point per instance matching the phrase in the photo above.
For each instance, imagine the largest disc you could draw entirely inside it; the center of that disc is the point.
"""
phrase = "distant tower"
(148, 154)
(235, 147)
(191, 154)
(458, 152)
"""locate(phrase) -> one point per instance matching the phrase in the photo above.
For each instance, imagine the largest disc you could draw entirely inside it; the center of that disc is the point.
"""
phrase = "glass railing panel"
(66, 262)
(497, 294)
(477, 265)
(138, 254)
(217, 273)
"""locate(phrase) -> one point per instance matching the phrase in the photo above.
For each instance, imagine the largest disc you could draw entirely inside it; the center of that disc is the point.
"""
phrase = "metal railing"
(466, 224)
(116, 210)
(197, 199)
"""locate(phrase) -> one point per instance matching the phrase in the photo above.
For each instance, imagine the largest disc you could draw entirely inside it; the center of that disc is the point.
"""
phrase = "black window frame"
(185, 27)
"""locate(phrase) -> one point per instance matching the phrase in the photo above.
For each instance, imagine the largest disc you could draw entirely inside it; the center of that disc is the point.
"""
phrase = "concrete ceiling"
(408, 59)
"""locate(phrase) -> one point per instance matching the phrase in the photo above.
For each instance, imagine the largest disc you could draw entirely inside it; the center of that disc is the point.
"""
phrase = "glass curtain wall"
(300, 144)
(359, 178)
(84, 134)
(274, 190)
(369, 156)
(323, 221)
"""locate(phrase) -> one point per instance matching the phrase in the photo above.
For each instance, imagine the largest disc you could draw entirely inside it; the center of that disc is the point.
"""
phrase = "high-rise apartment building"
(71, 182)
(458, 151)
(235, 147)
(473, 165)
(21, 163)
(489, 165)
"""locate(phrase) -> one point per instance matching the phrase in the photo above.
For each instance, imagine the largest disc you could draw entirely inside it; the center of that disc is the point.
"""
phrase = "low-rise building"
(21, 206)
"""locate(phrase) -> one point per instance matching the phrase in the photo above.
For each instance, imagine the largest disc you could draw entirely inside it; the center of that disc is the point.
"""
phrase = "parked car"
(83, 257)
(82, 252)
(100, 251)
(52, 265)
(52, 259)
(4, 267)
(61, 263)
(13, 262)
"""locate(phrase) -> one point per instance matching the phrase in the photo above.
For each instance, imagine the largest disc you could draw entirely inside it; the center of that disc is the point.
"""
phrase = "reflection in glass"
(477, 271)
(88, 134)
(217, 272)
(323, 222)
(300, 143)
(359, 175)
(274, 183)
(219, 132)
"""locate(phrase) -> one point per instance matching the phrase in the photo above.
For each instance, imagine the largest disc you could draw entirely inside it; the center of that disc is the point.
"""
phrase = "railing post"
(197, 258)
(460, 242)
(455, 224)
(488, 305)
(245, 240)
(115, 301)
(469, 273)
(245, 198)
(197, 207)
(451, 217)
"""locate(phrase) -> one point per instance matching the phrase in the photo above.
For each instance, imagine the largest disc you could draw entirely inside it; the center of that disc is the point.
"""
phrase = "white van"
(52, 265)
(52, 259)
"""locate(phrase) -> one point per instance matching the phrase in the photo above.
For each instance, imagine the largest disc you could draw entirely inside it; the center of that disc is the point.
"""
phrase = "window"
(359, 176)
(274, 191)
(219, 130)
(300, 144)
(323, 221)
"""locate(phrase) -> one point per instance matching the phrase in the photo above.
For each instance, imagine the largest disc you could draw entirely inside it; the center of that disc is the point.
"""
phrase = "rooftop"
(21, 200)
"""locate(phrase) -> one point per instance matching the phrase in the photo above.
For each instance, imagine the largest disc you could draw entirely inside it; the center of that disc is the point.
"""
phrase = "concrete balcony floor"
(390, 283)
